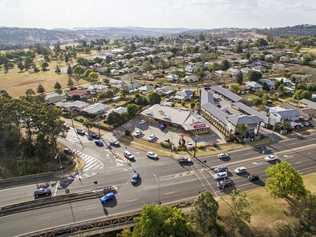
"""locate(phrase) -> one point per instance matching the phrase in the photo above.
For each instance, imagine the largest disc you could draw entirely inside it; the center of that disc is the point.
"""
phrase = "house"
(145, 88)
(172, 77)
(96, 109)
(120, 110)
(181, 118)
(94, 89)
(267, 83)
(165, 91)
(191, 78)
(54, 97)
(253, 86)
(184, 95)
(78, 94)
(72, 106)
(279, 114)
(189, 69)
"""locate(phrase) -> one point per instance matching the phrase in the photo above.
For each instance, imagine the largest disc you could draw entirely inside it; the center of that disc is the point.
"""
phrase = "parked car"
(240, 170)
(68, 151)
(135, 179)
(80, 132)
(262, 149)
(222, 168)
(93, 135)
(222, 184)
(253, 178)
(223, 156)
(115, 143)
(129, 155)
(138, 133)
(152, 138)
(42, 193)
(99, 143)
(107, 198)
(152, 155)
(185, 161)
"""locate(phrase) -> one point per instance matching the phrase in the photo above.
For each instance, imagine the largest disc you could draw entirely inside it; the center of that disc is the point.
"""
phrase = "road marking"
(169, 193)
(56, 188)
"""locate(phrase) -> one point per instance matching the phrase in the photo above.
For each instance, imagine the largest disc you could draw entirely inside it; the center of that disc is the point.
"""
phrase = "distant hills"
(12, 37)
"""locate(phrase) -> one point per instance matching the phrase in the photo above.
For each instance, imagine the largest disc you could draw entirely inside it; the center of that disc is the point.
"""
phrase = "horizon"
(192, 14)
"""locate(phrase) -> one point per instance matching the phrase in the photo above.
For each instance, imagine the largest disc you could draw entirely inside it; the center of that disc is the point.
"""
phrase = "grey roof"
(248, 110)
(310, 104)
(72, 104)
(216, 112)
(226, 93)
(206, 96)
(244, 119)
(96, 108)
(285, 113)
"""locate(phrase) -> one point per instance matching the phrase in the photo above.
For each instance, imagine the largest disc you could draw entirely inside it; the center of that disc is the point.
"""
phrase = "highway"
(162, 181)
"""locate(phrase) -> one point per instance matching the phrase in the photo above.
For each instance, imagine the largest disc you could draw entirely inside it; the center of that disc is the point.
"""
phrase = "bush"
(166, 145)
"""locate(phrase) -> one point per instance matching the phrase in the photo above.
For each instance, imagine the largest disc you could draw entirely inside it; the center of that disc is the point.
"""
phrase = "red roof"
(78, 92)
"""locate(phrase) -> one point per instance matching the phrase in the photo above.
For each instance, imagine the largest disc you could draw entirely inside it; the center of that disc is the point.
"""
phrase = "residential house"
(267, 83)
(279, 114)
(97, 109)
(52, 98)
(78, 94)
(72, 106)
(172, 77)
(253, 86)
(184, 95)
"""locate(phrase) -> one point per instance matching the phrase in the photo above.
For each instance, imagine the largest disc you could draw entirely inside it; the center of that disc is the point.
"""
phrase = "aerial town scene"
(192, 118)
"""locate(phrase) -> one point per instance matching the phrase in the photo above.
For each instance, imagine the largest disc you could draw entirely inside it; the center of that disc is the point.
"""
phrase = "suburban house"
(184, 95)
(165, 90)
(54, 97)
(78, 94)
(191, 78)
(187, 120)
(97, 109)
(72, 106)
(267, 83)
(94, 89)
(172, 77)
(253, 86)
(120, 110)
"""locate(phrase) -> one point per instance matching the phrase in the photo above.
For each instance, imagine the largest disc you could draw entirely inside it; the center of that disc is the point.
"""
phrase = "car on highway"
(135, 179)
(115, 143)
(43, 185)
(138, 133)
(220, 175)
(152, 155)
(128, 155)
(42, 193)
(222, 184)
(221, 168)
(152, 138)
(80, 132)
(271, 158)
(262, 149)
(240, 170)
(99, 143)
(253, 178)
(223, 156)
(185, 161)
(107, 198)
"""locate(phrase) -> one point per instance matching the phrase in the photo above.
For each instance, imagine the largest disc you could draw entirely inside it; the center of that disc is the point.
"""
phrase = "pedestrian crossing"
(92, 165)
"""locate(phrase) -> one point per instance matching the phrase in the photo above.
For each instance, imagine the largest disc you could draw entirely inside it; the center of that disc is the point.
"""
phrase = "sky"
(156, 13)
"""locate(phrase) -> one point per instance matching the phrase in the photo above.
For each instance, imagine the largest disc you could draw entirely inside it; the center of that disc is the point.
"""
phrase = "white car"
(223, 156)
(138, 133)
(129, 155)
(152, 155)
(269, 158)
(152, 138)
(240, 170)
(220, 175)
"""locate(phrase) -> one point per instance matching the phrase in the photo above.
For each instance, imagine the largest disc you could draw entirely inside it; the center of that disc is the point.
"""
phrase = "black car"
(262, 149)
(222, 184)
(115, 143)
(135, 179)
(93, 135)
(80, 132)
(185, 161)
(253, 178)
(42, 193)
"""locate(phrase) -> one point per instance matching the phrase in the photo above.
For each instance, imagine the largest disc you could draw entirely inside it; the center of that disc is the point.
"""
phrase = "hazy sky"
(156, 13)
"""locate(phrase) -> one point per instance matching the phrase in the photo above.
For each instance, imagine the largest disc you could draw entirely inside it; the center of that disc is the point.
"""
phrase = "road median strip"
(46, 202)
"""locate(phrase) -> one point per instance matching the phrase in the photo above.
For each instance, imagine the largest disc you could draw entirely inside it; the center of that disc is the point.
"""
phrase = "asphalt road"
(162, 181)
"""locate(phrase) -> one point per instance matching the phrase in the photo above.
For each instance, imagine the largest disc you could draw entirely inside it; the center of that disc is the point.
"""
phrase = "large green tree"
(284, 181)
(205, 216)
(154, 98)
(162, 221)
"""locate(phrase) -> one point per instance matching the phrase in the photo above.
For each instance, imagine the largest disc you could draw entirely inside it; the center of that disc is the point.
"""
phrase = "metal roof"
(226, 93)
(248, 110)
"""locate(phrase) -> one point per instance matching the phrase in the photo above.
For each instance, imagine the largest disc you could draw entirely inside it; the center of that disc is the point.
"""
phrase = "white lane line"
(56, 188)
(169, 193)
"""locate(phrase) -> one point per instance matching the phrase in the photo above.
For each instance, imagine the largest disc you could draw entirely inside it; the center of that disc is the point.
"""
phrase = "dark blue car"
(99, 143)
(109, 197)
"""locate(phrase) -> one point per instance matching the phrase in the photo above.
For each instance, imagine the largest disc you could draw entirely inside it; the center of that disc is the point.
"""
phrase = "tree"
(132, 110)
(239, 77)
(40, 89)
(154, 98)
(284, 181)
(44, 66)
(115, 119)
(156, 220)
(70, 83)
(57, 86)
(205, 215)
(93, 76)
(69, 70)
(29, 92)
(140, 100)
(254, 75)
(57, 70)
(20, 66)
(6, 68)
(225, 65)
(306, 212)
(88, 125)
(235, 88)
(35, 68)
(262, 42)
